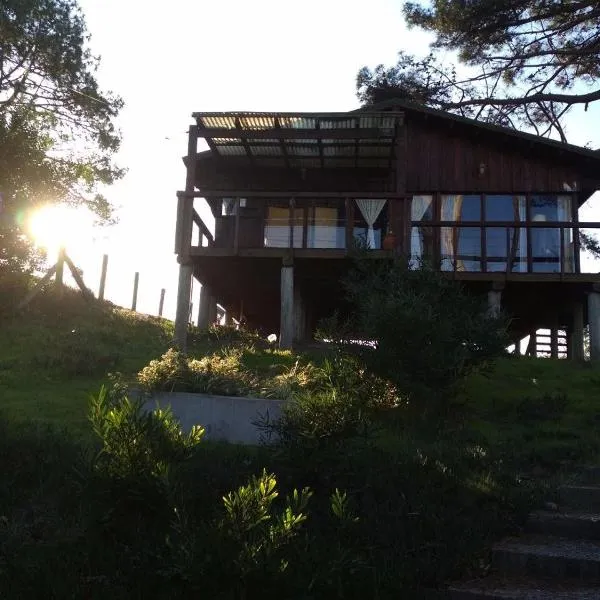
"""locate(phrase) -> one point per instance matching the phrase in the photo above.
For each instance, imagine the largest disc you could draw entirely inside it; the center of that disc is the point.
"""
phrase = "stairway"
(558, 557)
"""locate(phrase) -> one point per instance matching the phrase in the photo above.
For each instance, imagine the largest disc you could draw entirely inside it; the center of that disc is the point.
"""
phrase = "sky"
(167, 60)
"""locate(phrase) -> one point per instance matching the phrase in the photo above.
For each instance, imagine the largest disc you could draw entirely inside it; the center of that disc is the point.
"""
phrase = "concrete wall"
(225, 418)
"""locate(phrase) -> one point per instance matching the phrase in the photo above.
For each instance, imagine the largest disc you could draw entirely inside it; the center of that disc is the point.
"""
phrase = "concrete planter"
(225, 418)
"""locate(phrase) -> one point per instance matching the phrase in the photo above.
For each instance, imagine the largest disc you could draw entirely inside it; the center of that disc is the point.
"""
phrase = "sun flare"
(55, 226)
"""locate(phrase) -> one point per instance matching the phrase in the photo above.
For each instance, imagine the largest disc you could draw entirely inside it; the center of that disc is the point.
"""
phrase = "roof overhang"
(303, 140)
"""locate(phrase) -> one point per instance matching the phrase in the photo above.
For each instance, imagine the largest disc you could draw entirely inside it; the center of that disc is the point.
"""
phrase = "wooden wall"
(231, 173)
(445, 157)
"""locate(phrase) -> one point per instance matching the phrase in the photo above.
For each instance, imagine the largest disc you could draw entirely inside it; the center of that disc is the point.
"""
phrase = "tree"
(57, 132)
(528, 61)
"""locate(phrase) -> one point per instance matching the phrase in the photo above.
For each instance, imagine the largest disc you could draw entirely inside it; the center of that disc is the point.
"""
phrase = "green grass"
(59, 351)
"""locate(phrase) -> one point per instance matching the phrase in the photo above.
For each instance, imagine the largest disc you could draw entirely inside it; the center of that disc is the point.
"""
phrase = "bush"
(231, 371)
(424, 333)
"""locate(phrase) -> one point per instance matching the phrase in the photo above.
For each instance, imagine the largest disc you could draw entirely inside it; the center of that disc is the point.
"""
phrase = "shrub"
(424, 333)
(137, 442)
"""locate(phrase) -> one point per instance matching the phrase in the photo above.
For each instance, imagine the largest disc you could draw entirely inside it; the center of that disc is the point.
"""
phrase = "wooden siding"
(441, 158)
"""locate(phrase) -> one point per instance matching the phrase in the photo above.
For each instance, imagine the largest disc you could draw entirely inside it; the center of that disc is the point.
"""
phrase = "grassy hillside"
(60, 350)
(57, 353)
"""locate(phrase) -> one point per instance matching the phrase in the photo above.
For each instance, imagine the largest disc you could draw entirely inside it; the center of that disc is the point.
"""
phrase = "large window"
(279, 230)
(326, 227)
(422, 239)
(494, 232)
(548, 250)
(460, 246)
(506, 247)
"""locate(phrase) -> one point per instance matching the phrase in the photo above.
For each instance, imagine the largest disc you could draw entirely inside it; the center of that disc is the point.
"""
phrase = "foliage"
(57, 132)
(339, 404)
(421, 331)
(136, 442)
(231, 371)
(528, 61)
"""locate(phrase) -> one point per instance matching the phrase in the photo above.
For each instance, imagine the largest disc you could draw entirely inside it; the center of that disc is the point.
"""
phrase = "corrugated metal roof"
(300, 150)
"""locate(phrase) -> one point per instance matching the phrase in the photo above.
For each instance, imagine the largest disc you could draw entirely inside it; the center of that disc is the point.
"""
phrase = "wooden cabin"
(293, 194)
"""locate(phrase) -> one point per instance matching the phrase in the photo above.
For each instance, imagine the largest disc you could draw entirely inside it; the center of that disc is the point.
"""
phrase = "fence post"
(103, 277)
(161, 304)
(136, 280)
(60, 266)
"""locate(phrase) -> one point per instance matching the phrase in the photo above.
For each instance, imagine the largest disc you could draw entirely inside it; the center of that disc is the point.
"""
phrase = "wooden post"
(87, 294)
(206, 313)
(161, 302)
(212, 311)
(494, 303)
(554, 340)
(103, 277)
(349, 223)
(594, 321)
(136, 280)
(60, 267)
(183, 242)
(236, 233)
(576, 332)
(183, 305)
(532, 345)
(286, 327)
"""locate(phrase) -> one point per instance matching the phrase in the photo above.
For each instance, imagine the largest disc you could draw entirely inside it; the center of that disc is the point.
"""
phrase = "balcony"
(491, 234)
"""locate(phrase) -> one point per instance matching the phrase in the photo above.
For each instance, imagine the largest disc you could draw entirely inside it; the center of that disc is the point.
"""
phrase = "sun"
(56, 226)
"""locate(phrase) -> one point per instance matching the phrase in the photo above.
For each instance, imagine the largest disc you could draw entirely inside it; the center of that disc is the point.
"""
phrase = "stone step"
(548, 556)
(567, 524)
(584, 497)
(496, 587)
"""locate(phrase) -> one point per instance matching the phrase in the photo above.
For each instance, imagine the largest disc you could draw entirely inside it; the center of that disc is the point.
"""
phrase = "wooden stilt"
(576, 332)
(183, 306)
(286, 328)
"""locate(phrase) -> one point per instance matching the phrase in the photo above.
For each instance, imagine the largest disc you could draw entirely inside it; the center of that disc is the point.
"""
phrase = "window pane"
(551, 208)
(421, 208)
(326, 227)
(277, 227)
(568, 251)
(545, 249)
(468, 243)
(503, 207)
(460, 248)
(461, 208)
(421, 245)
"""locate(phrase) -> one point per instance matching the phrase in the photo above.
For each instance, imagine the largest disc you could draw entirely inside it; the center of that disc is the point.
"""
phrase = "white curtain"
(564, 213)
(450, 211)
(370, 210)
(419, 206)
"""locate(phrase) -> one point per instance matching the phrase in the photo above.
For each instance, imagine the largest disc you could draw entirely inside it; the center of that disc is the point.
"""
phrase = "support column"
(286, 327)
(207, 313)
(299, 316)
(228, 317)
(594, 321)
(212, 310)
(183, 305)
(495, 300)
(576, 332)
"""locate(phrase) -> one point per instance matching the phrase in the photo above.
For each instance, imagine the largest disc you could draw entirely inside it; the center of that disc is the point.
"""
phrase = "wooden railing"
(204, 231)
(444, 247)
